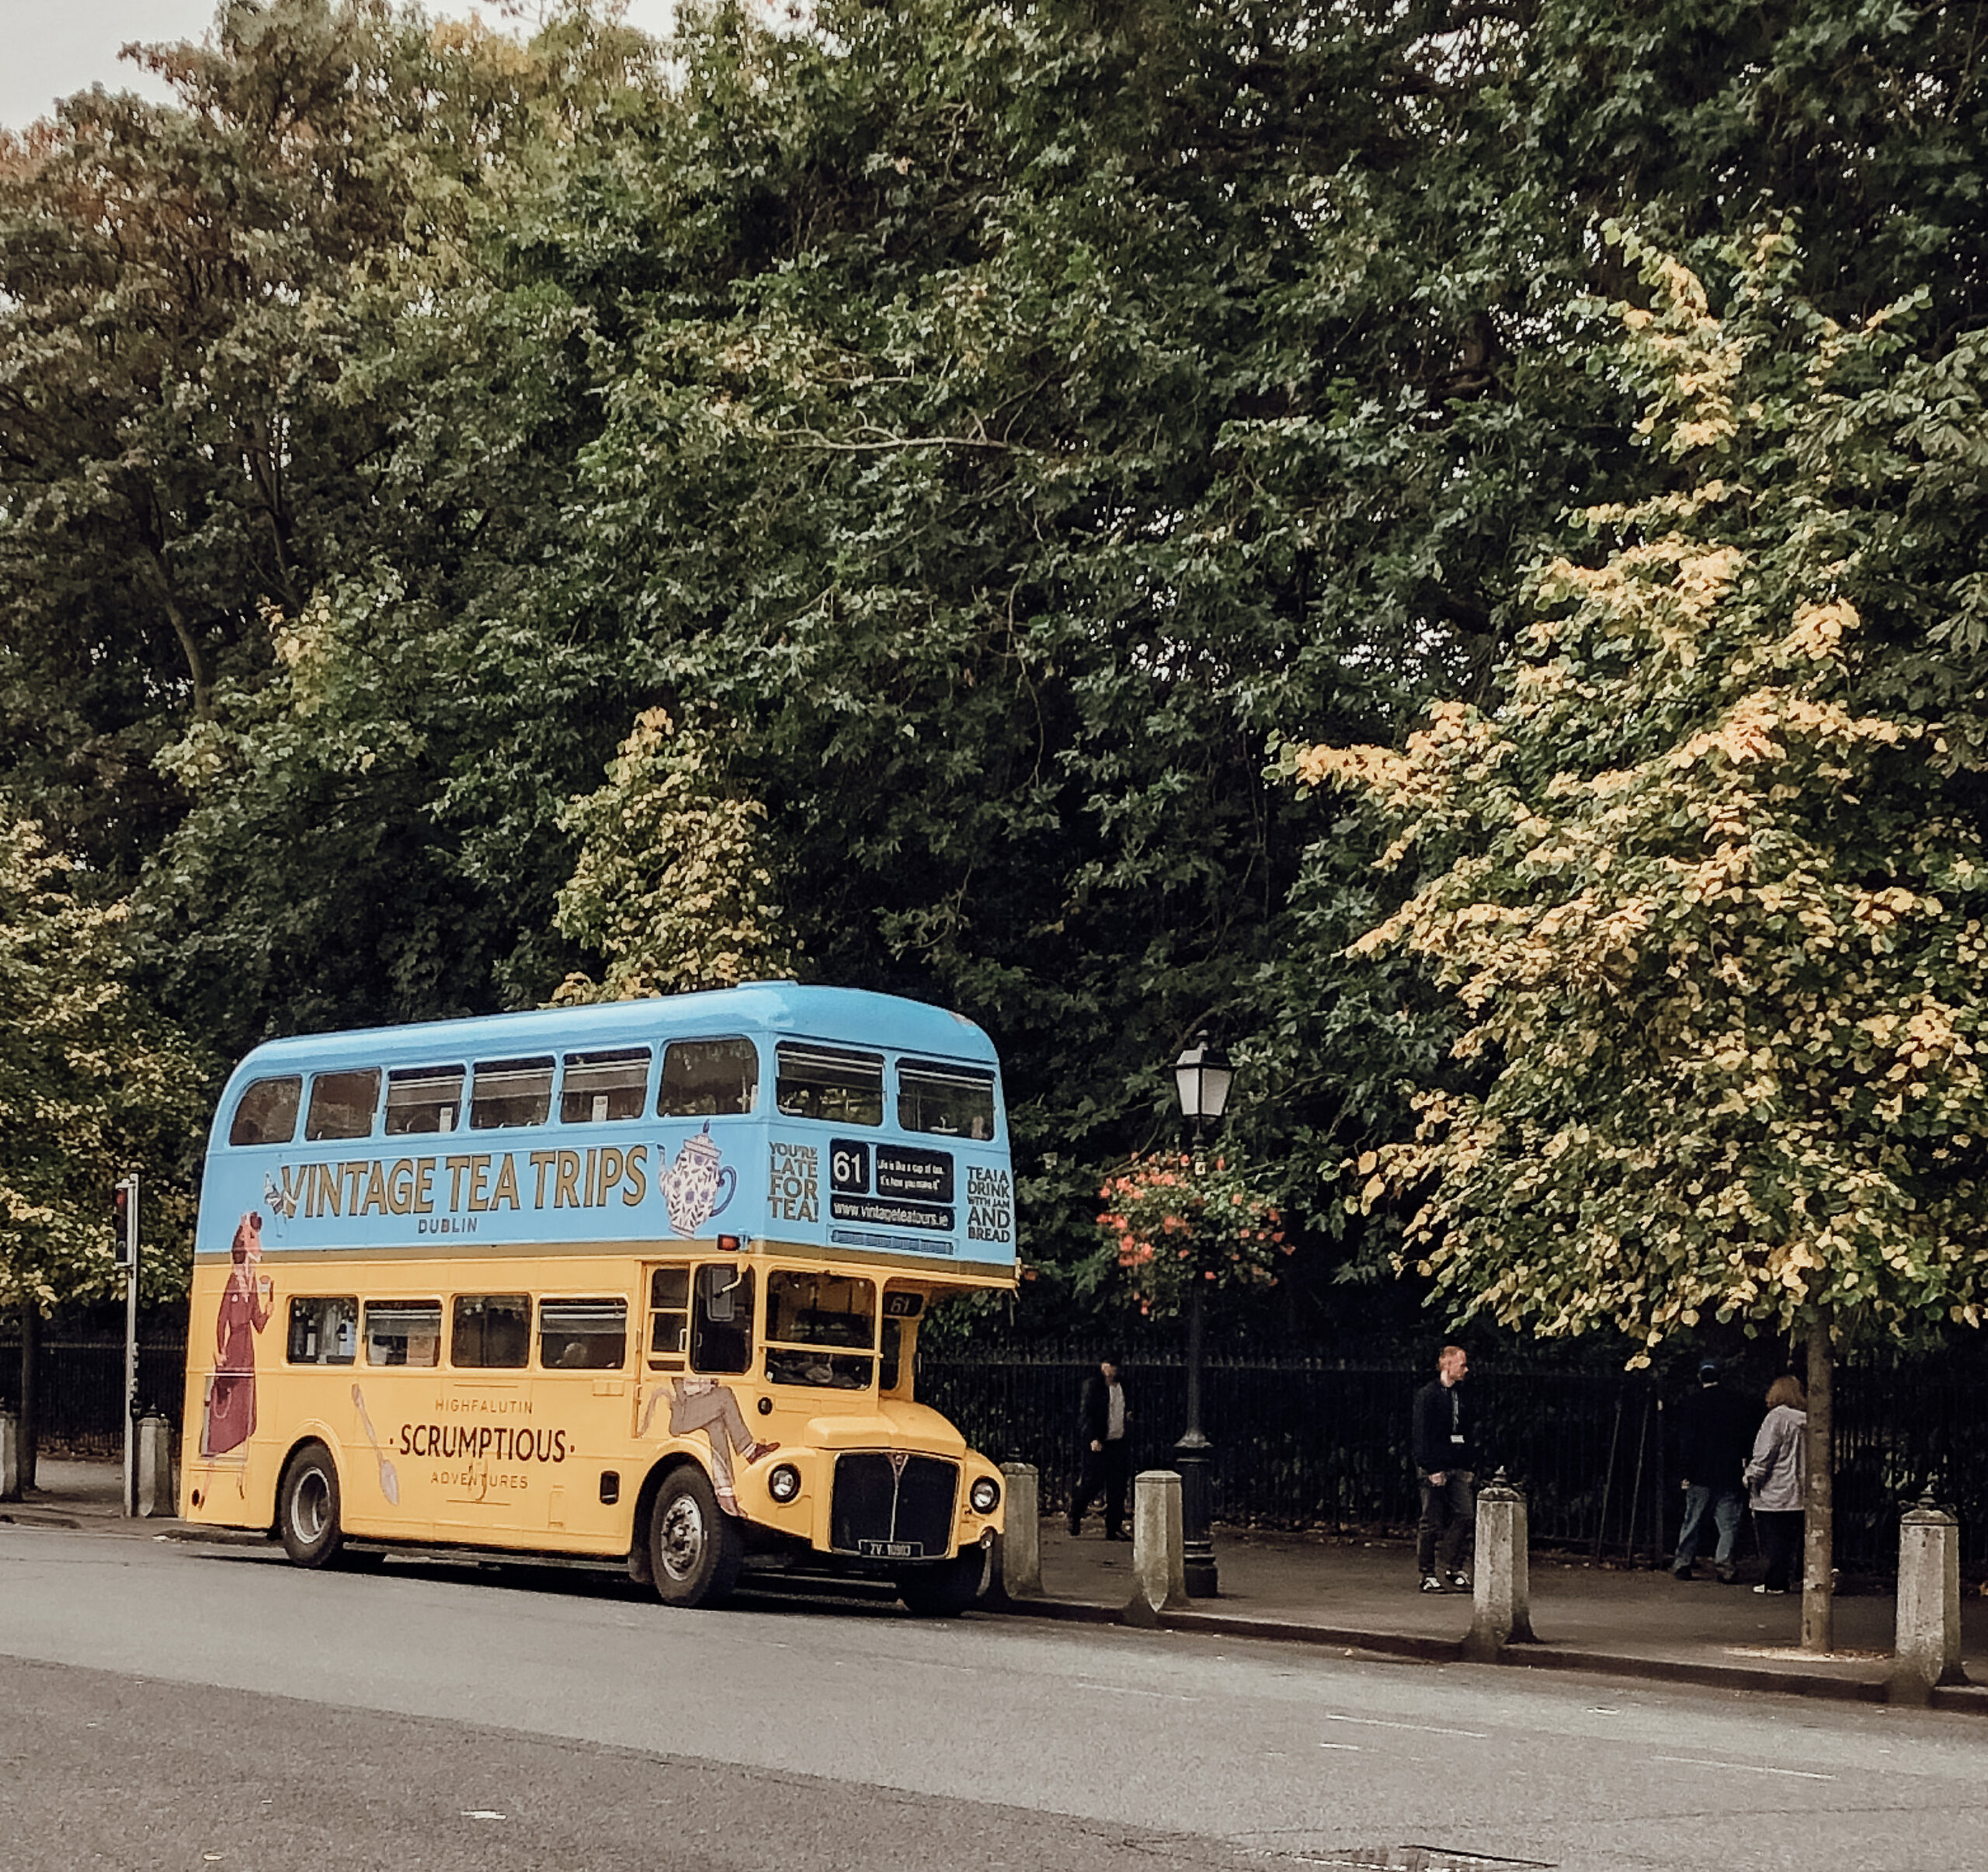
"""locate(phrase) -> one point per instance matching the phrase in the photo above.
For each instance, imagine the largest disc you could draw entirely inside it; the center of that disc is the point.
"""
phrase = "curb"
(1970, 1699)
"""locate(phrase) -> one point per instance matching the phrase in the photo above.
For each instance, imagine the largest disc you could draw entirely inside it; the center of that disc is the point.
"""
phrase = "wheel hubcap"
(310, 1508)
(681, 1546)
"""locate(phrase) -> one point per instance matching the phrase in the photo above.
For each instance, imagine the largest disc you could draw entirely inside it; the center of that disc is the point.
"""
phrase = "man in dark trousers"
(1103, 1450)
(1447, 1468)
(1715, 1438)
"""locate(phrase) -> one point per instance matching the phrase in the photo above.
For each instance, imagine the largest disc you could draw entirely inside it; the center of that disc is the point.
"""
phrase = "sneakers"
(1431, 1584)
(1682, 1573)
(1459, 1582)
(1725, 1576)
(1772, 1591)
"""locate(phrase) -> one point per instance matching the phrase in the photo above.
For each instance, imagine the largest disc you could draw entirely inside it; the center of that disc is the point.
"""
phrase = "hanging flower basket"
(1171, 1224)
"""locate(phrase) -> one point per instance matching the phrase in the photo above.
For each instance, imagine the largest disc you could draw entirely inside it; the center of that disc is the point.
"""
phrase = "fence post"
(1502, 1592)
(1018, 1550)
(1159, 1565)
(155, 1494)
(1927, 1648)
(10, 1457)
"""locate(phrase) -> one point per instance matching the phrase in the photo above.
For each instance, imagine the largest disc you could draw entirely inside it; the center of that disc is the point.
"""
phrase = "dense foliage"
(985, 433)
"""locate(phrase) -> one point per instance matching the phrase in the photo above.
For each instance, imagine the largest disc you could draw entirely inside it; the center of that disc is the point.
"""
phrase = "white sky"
(50, 48)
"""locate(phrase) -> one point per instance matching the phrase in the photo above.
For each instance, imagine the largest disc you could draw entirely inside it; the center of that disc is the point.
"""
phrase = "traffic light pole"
(127, 1256)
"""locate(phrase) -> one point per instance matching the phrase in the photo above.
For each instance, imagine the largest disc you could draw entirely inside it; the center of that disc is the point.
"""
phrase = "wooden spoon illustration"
(390, 1483)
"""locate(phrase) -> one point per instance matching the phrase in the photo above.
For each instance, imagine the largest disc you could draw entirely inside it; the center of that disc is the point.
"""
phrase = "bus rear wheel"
(695, 1547)
(307, 1508)
(944, 1590)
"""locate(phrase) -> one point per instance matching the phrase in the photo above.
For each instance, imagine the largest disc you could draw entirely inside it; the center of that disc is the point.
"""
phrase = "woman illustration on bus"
(704, 1404)
(246, 1303)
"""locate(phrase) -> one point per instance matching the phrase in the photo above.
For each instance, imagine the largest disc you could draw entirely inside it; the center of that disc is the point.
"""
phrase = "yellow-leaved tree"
(673, 886)
(1708, 879)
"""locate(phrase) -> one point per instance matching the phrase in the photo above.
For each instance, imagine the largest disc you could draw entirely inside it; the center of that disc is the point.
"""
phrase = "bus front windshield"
(821, 1330)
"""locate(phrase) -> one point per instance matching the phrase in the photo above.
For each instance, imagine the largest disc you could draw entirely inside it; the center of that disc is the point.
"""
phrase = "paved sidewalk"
(1354, 1596)
(1360, 1595)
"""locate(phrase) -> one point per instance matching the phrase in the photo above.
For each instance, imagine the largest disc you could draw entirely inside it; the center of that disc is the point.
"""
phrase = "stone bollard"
(1016, 1569)
(10, 1457)
(1928, 1643)
(1502, 1596)
(1159, 1582)
(156, 1493)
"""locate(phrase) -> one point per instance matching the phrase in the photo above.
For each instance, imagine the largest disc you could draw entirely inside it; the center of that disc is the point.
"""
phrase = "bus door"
(581, 1398)
(697, 1358)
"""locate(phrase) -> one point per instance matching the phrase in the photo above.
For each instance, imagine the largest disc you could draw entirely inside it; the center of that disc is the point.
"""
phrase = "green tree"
(91, 1085)
(673, 885)
(1708, 883)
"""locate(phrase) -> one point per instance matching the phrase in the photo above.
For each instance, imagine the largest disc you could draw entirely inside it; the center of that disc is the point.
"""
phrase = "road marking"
(1348, 1748)
(1693, 1761)
(481, 1813)
(1421, 1729)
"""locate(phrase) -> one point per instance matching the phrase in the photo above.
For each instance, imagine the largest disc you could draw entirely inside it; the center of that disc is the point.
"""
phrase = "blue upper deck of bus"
(830, 1118)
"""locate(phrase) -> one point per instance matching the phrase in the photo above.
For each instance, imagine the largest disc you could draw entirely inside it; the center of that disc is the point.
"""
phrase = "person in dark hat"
(1715, 1438)
(1103, 1448)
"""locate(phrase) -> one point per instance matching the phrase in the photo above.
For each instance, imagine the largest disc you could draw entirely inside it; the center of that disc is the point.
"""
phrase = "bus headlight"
(783, 1484)
(984, 1494)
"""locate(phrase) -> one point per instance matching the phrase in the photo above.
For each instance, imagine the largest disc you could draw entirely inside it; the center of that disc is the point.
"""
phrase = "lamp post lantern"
(1202, 1076)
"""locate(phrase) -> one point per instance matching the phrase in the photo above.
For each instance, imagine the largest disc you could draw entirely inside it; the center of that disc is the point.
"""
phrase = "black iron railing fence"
(1305, 1441)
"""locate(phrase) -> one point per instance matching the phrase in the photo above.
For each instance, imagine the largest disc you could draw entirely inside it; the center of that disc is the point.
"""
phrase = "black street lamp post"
(1202, 1076)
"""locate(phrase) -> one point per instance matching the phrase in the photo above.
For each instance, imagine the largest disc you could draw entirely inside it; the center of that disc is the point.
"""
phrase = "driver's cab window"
(900, 1341)
(721, 1318)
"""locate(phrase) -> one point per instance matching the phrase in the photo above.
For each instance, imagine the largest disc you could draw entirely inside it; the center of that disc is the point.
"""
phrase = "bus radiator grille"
(893, 1507)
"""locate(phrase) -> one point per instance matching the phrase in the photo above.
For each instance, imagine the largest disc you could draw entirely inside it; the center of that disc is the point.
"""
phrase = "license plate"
(891, 1550)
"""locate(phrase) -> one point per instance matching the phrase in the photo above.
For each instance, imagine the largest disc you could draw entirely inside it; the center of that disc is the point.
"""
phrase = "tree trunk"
(1819, 1538)
(30, 1390)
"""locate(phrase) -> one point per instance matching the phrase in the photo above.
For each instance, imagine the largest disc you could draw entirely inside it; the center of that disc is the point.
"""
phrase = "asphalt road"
(163, 1706)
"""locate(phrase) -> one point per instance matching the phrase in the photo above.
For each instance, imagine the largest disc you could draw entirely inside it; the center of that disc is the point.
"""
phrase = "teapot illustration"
(696, 1187)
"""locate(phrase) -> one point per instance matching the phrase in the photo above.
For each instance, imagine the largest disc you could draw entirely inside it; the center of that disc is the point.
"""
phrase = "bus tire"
(307, 1508)
(945, 1589)
(695, 1547)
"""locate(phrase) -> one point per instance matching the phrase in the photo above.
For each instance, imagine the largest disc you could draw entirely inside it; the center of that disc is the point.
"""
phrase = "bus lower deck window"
(583, 1335)
(403, 1331)
(323, 1331)
(490, 1332)
(809, 1313)
(669, 1317)
(721, 1321)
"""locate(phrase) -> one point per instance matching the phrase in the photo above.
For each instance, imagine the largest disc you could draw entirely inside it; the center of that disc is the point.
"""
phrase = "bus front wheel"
(307, 1508)
(944, 1590)
(695, 1547)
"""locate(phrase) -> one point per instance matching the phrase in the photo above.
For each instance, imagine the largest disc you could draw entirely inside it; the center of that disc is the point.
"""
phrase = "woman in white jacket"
(1777, 1477)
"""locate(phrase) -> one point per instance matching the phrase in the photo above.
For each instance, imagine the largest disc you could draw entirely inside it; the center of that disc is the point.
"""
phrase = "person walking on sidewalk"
(1445, 1467)
(1776, 1476)
(1715, 1438)
(1104, 1454)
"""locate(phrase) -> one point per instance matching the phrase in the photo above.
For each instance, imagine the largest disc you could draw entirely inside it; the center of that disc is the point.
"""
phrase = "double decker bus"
(637, 1284)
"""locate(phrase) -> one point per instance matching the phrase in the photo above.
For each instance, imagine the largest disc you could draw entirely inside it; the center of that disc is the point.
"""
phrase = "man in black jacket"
(1103, 1449)
(1715, 1438)
(1447, 1468)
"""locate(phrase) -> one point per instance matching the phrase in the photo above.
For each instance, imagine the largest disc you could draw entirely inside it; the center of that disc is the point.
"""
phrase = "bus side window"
(342, 1104)
(721, 1322)
(491, 1331)
(506, 1093)
(583, 1335)
(267, 1113)
(323, 1331)
(423, 1099)
(669, 1317)
(827, 1083)
(602, 1088)
(403, 1331)
(707, 1078)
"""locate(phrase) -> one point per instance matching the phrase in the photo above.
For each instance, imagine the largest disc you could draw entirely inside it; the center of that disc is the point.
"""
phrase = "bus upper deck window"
(600, 1088)
(583, 1335)
(506, 1093)
(948, 1101)
(342, 1104)
(824, 1082)
(403, 1333)
(423, 1099)
(267, 1113)
(707, 1078)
